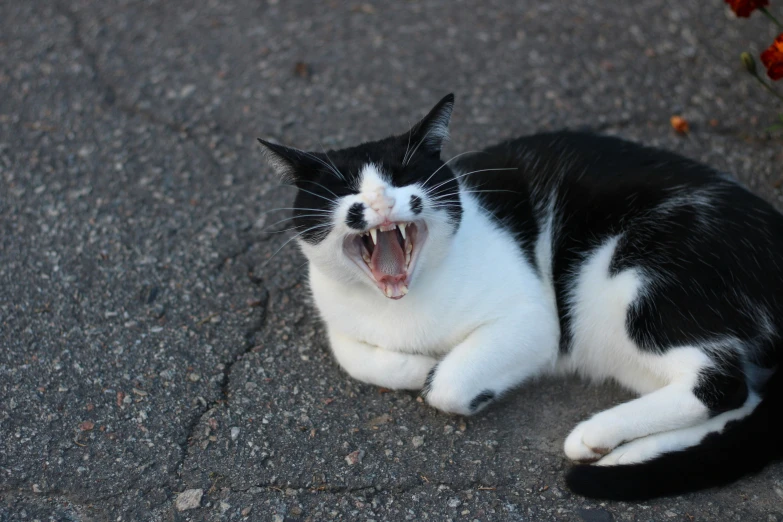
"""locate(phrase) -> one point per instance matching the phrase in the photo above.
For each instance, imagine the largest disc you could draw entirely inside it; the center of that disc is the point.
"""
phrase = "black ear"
(289, 163)
(433, 130)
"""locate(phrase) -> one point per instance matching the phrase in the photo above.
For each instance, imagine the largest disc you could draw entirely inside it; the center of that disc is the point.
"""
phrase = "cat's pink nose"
(382, 203)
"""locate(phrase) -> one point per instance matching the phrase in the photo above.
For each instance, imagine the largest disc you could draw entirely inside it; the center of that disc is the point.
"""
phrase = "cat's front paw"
(445, 393)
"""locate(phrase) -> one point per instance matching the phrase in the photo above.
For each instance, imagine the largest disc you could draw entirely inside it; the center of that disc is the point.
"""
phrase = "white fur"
(650, 447)
(481, 312)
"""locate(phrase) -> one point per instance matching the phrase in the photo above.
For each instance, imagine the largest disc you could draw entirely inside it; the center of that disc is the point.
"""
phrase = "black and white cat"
(556, 253)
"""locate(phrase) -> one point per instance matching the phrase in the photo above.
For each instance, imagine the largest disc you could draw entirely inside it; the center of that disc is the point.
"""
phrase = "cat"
(561, 252)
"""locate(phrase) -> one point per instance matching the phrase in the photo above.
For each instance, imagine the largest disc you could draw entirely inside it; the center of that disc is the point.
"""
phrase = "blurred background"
(156, 362)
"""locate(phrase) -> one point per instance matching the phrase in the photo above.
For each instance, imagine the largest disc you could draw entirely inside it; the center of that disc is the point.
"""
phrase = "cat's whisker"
(330, 200)
(330, 161)
(291, 186)
(316, 227)
(429, 191)
(410, 132)
(281, 231)
(322, 186)
(290, 218)
(297, 208)
(405, 163)
(442, 196)
(446, 163)
(326, 165)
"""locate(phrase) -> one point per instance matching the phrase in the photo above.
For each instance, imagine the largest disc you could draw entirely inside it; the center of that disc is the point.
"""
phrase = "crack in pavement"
(223, 395)
(111, 97)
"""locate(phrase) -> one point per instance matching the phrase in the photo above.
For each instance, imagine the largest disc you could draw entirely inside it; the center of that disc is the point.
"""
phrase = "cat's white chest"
(482, 280)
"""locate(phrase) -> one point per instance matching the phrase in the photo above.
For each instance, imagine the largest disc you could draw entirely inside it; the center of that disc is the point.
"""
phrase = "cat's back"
(711, 245)
(598, 186)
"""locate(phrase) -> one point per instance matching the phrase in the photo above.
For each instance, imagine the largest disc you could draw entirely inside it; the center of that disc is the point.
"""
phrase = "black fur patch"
(325, 177)
(428, 382)
(692, 230)
(721, 389)
(416, 204)
(355, 217)
(481, 399)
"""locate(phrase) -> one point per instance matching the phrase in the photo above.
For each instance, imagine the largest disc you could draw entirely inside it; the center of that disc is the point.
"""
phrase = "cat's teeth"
(389, 291)
(404, 290)
(408, 248)
(366, 257)
(388, 228)
(374, 235)
(401, 226)
(407, 259)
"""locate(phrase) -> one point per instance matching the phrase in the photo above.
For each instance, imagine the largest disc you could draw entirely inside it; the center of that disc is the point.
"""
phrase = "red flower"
(743, 8)
(772, 58)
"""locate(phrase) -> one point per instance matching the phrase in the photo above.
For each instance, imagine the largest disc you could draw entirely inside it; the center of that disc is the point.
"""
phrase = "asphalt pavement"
(159, 356)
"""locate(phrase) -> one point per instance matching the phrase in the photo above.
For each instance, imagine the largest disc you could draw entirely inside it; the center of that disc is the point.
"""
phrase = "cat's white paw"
(639, 450)
(394, 370)
(404, 371)
(447, 393)
(591, 440)
(576, 450)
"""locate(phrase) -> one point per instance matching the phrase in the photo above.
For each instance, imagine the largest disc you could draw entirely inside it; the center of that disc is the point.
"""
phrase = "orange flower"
(679, 124)
(772, 58)
(743, 8)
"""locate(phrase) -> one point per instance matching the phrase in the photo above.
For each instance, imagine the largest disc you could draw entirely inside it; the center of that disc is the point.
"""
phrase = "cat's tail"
(744, 446)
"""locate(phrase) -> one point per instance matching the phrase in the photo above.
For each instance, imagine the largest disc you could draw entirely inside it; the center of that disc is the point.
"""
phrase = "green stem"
(770, 89)
(769, 15)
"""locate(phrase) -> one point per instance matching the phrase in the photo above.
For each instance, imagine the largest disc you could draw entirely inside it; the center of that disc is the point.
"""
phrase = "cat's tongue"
(388, 261)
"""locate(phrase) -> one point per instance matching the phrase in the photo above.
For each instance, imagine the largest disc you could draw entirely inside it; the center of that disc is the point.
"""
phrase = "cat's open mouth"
(388, 255)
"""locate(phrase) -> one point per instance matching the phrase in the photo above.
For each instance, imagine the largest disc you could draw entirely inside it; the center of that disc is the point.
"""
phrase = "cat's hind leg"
(696, 392)
(647, 448)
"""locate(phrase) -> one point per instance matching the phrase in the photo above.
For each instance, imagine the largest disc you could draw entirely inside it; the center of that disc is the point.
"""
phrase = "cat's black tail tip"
(606, 483)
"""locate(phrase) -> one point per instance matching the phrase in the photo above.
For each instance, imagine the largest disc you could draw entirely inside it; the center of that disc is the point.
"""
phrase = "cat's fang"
(401, 226)
(389, 291)
(374, 235)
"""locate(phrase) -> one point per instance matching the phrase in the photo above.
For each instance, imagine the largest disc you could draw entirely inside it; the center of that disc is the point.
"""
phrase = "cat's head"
(381, 212)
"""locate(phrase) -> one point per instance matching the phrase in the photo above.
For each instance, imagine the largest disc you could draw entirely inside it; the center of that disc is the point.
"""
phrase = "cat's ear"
(290, 164)
(433, 130)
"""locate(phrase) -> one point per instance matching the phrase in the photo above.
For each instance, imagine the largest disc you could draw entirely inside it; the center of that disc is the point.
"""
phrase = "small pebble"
(418, 441)
(189, 499)
(235, 433)
(246, 511)
(194, 377)
(354, 457)
(381, 419)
